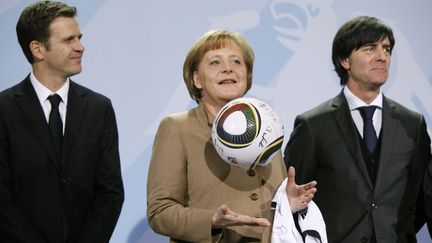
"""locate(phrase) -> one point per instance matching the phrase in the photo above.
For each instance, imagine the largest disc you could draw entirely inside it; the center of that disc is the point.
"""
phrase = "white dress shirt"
(43, 92)
(354, 103)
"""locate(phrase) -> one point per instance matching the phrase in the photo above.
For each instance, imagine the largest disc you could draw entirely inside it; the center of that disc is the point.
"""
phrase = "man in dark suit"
(369, 170)
(60, 178)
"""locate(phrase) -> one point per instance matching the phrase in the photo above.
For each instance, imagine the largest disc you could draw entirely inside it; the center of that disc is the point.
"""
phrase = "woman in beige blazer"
(193, 195)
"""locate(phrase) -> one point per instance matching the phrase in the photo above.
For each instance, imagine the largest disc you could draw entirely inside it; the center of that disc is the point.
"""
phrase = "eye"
(236, 61)
(214, 62)
(68, 40)
(369, 49)
(387, 50)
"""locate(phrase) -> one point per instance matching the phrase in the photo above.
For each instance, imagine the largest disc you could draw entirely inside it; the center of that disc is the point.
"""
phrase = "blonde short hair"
(213, 40)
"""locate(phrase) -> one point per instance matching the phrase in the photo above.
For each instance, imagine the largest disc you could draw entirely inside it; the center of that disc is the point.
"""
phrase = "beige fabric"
(188, 181)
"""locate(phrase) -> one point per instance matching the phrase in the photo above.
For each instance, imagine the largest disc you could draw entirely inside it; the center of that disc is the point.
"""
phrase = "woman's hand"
(299, 195)
(224, 216)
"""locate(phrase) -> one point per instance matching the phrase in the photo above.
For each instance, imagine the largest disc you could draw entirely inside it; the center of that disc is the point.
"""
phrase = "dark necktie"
(369, 134)
(56, 124)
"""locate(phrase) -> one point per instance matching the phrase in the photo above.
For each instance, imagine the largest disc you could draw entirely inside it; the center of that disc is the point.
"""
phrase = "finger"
(262, 222)
(219, 216)
(247, 220)
(291, 176)
(309, 197)
(224, 209)
(309, 185)
(310, 193)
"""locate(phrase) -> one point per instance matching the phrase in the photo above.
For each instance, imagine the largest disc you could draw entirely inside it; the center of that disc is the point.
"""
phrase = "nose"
(79, 46)
(227, 67)
(382, 54)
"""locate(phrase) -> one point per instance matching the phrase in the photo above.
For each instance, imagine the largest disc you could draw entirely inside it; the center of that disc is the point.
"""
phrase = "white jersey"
(310, 220)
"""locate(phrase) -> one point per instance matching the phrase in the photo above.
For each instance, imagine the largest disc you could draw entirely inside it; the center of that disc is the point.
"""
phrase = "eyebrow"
(73, 37)
(375, 44)
(220, 56)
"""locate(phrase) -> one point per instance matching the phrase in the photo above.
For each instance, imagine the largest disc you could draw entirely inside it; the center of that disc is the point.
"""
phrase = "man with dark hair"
(60, 177)
(367, 152)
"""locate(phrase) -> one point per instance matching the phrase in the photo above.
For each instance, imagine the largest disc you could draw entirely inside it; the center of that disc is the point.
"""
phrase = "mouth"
(227, 81)
(380, 69)
(76, 59)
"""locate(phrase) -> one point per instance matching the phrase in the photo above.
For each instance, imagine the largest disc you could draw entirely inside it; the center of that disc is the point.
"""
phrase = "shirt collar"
(355, 102)
(43, 92)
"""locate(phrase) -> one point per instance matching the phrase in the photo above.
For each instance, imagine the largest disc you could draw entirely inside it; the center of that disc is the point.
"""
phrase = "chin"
(232, 93)
(74, 72)
(376, 85)
(381, 81)
(230, 97)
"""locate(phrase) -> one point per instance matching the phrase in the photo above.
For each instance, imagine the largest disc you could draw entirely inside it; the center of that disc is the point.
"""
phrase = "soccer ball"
(247, 133)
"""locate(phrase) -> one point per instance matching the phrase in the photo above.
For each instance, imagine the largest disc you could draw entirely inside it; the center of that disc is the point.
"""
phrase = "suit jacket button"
(364, 239)
(374, 205)
(254, 196)
(64, 180)
(251, 173)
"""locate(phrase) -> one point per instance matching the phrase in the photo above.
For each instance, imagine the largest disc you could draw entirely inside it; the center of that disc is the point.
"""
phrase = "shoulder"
(411, 121)
(403, 112)
(187, 123)
(17, 88)
(180, 118)
(175, 126)
(90, 95)
(7, 94)
(324, 109)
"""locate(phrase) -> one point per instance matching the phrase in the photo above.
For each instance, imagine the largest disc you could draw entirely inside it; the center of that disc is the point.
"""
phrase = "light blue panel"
(135, 52)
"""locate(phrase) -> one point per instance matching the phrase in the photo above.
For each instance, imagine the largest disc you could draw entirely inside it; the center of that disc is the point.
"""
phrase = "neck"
(51, 81)
(211, 110)
(366, 94)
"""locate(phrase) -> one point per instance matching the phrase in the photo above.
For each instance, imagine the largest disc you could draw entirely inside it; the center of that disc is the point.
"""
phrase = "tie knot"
(367, 111)
(55, 100)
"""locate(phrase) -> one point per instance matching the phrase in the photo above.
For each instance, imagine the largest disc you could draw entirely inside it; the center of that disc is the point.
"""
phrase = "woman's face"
(221, 75)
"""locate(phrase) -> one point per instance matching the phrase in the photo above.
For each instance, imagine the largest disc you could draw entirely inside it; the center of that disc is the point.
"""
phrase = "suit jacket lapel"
(390, 124)
(349, 131)
(76, 109)
(27, 99)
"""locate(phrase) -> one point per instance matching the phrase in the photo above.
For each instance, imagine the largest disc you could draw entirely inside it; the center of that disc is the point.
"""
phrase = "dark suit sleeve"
(109, 194)
(428, 195)
(14, 225)
(420, 171)
(423, 172)
(300, 151)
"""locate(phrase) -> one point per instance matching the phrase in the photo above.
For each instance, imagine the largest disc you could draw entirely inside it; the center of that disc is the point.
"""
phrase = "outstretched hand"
(299, 195)
(224, 216)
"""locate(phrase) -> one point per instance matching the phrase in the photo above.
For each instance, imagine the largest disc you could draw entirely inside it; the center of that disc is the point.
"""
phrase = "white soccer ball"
(247, 133)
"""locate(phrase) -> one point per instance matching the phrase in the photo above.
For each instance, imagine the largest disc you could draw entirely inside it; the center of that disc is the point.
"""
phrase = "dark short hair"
(213, 40)
(354, 34)
(34, 22)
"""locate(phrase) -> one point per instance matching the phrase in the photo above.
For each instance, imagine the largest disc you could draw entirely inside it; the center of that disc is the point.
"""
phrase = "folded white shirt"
(310, 221)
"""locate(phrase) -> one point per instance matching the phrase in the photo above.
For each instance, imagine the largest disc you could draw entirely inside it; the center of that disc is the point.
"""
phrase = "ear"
(346, 63)
(197, 81)
(37, 49)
